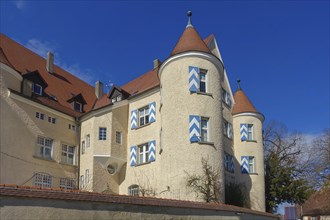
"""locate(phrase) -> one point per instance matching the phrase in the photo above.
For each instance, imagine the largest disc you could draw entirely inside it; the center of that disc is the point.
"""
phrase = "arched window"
(133, 190)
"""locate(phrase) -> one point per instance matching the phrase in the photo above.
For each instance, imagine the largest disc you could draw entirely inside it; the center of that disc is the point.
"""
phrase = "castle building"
(142, 138)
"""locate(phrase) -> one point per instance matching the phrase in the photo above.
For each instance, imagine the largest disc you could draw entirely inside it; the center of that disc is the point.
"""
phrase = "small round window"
(111, 169)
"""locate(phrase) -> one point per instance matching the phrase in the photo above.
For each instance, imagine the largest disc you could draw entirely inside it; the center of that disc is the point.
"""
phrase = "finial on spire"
(189, 14)
(238, 84)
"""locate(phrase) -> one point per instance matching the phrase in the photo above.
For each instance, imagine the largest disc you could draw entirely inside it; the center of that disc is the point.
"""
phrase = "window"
(118, 98)
(37, 89)
(202, 81)
(45, 147)
(144, 116)
(40, 115)
(102, 133)
(82, 182)
(143, 151)
(250, 132)
(88, 140)
(118, 137)
(72, 127)
(77, 106)
(67, 183)
(227, 161)
(113, 100)
(86, 176)
(83, 147)
(227, 129)
(204, 129)
(251, 165)
(133, 190)
(225, 96)
(68, 154)
(52, 120)
(43, 180)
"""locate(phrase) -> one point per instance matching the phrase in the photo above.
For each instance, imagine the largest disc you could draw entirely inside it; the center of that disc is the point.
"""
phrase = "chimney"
(156, 63)
(50, 62)
(98, 89)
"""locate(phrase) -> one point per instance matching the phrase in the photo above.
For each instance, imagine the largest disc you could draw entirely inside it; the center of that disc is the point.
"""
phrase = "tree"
(207, 185)
(284, 167)
(236, 194)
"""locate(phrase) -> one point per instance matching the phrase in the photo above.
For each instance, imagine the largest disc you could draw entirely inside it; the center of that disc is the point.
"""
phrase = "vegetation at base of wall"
(292, 170)
(207, 184)
(236, 194)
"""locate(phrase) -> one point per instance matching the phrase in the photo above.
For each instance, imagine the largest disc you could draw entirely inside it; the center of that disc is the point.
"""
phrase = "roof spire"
(189, 14)
(238, 84)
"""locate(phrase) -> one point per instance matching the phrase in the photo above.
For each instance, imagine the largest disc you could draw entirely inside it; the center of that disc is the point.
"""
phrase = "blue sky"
(279, 49)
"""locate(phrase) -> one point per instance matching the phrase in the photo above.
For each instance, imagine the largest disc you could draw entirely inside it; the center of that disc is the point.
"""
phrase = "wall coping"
(78, 195)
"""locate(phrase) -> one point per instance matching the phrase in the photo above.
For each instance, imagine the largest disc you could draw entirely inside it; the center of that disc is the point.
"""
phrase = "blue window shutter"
(244, 133)
(193, 79)
(132, 156)
(134, 119)
(245, 164)
(232, 164)
(228, 100)
(152, 150)
(194, 128)
(152, 112)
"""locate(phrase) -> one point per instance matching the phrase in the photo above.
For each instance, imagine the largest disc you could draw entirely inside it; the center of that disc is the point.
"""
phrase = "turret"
(191, 116)
(248, 147)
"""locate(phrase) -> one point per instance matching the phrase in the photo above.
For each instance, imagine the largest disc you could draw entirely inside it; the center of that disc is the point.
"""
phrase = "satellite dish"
(111, 169)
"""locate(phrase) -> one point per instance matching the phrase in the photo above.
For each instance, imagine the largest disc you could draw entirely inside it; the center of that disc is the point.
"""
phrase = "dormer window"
(118, 98)
(117, 94)
(37, 89)
(77, 106)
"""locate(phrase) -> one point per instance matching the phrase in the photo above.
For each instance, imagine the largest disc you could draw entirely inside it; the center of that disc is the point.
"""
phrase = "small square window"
(118, 137)
(45, 147)
(118, 98)
(102, 133)
(66, 183)
(133, 190)
(113, 100)
(43, 180)
(68, 154)
(37, 89)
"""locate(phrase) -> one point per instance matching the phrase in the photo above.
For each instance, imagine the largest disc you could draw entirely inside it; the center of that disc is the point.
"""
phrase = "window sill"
(250, 141)
(68, 164)
(44, 158)
(253, 174)
(142, 126)
(205, 93)
(206, 143)
(141, 164)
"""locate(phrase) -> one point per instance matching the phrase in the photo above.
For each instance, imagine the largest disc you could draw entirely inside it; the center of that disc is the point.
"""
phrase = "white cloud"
(42, 47)
(20, 4)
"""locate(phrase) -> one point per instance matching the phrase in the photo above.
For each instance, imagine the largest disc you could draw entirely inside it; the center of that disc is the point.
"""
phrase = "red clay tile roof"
(61, 83)
(77, 195)
(4, 60)
(317, 204)
(190, 40)
(143, 83)
(242, 103)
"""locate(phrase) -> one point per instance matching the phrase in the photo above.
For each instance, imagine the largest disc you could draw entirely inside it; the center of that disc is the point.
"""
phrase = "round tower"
(248, 147)
(191, 115)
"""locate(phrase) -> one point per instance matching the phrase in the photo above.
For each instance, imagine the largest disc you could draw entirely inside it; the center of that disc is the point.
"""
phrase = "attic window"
(77, 106)
(116, 99)
(37, 89)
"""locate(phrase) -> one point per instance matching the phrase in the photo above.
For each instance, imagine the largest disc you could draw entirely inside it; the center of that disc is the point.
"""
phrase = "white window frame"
(113, 100)
(118, 98)
(66, 153)
(202, 139)
(43, 180)
(72, 127)
(223, 97)
(250, 132)
(133, 190)
(75, 103)
(119, 137)
(142, 153)
(43, 146)
(67, 183)
(252, 162)
(34, 86)
(102, 133)
(51, 120)
(88, 140)
(204, 72)
(226, 128)
(143, 114)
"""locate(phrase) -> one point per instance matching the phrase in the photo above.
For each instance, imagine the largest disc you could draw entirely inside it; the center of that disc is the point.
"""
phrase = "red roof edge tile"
(31, 192)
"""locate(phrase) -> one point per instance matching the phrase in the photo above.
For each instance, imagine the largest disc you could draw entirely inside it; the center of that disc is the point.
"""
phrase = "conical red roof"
(190, 41)
(242, 103)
